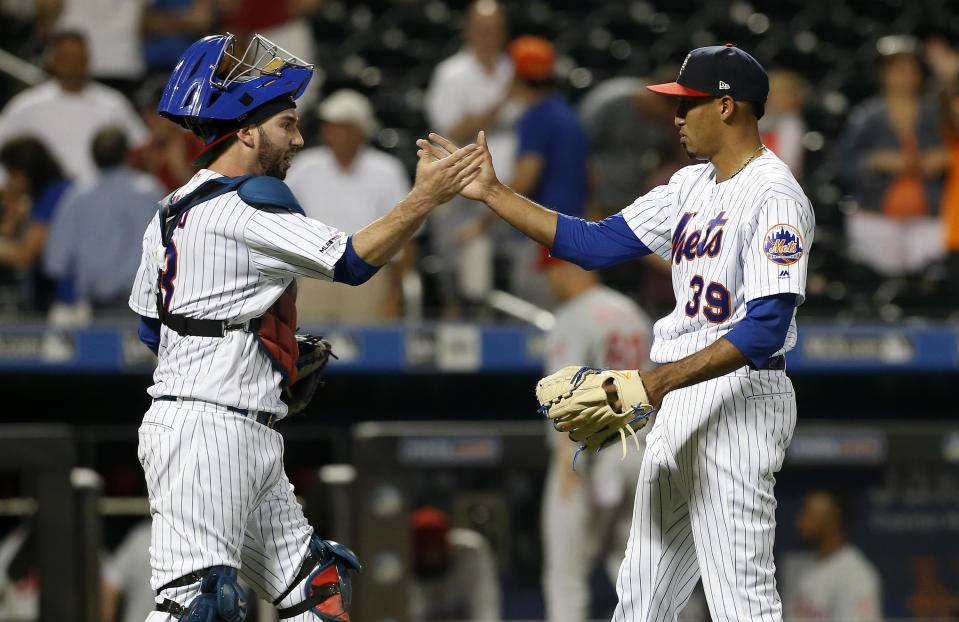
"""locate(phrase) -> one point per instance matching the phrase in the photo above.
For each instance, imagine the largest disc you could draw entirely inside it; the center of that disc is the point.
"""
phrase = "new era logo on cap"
(716, 71)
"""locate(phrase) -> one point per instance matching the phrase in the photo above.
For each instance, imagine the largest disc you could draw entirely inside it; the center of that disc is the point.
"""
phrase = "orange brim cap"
(675, 88)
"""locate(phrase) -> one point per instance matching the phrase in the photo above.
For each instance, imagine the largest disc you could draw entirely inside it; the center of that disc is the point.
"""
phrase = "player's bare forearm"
(717, 359)
(377, 242)
(529, 217)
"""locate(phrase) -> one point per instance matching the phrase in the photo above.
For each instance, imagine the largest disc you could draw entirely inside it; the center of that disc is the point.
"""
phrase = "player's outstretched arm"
(532, 219)
(437, 181)
(717, 359)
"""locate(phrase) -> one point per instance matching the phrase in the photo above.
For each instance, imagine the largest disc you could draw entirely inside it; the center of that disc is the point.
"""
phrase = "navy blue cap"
(716, 71)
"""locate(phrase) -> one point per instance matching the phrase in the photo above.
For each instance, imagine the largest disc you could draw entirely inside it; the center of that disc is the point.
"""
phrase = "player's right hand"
(485, 182)
(440, 176)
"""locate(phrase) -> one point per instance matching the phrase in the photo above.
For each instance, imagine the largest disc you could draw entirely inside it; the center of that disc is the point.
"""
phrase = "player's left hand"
(442, 177)
(576, 400)
(483, 185)
(315, 353)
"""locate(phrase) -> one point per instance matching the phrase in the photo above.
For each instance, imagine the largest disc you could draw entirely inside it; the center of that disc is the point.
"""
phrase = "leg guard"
(323, 583)
(221, 598)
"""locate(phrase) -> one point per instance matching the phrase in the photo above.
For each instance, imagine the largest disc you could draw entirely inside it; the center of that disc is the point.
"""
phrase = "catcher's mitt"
(315, 353)
(575, 400)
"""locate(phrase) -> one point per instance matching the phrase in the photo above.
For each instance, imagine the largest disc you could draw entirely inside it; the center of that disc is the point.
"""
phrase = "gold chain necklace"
(748, 160)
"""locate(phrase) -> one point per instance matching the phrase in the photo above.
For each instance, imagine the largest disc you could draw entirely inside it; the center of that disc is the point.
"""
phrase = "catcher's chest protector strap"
(257, 191)
(277, 334)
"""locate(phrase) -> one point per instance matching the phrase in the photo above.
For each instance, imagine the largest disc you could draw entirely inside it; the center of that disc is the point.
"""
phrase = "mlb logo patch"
(783, 244)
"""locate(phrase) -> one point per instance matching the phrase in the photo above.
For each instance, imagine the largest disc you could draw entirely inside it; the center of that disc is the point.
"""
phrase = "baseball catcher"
(595, 406)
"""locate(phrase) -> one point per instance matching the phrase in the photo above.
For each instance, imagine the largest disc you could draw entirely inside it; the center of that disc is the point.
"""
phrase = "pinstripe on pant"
(704, 502)
(219, 496)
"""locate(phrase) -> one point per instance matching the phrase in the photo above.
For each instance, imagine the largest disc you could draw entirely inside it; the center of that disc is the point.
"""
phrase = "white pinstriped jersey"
(232, 262)
(728, 243)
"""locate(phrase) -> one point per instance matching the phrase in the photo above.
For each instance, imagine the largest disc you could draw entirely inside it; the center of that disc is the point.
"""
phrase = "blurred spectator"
(634, 147)
(599, 327)
(454, 572)
(468, 92)
(19, 582)
(112, 30)
(782, 127)
(631, 134)
(170, 26)
(551, 162)
(891, 160)
(65, 112)
(171, 149)
(35, 186)
(841, 583)
(113, 210)
(944, 62)
(125, 585)
(347, 184)
(284, 22)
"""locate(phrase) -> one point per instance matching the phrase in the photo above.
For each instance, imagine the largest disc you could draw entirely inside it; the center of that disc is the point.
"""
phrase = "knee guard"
(327, 590)
(221, 598)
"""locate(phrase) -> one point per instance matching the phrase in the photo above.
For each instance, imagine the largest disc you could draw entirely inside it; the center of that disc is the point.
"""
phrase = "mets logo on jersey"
(783, 244)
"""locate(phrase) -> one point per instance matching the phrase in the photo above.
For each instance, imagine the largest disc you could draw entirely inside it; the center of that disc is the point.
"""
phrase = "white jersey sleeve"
(283, 243)
(776, 257)
(143, 296)
(651, 216)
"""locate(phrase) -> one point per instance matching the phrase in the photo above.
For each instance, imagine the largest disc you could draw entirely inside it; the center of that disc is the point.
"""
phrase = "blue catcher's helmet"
(212, 91)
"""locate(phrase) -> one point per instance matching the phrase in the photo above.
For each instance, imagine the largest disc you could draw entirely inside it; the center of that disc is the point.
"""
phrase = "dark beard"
(270, 157)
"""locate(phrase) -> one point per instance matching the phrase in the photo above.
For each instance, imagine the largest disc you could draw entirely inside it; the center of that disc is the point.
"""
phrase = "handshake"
(445, 170)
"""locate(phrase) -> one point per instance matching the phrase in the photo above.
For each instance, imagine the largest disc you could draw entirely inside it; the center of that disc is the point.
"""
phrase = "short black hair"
(757, 108)
(839, 501)
(29, 155)
(220, 148)
(68, 35)
(109, 147)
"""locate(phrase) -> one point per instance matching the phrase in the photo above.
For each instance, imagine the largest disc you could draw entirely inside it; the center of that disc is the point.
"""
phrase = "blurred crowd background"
(863, 107)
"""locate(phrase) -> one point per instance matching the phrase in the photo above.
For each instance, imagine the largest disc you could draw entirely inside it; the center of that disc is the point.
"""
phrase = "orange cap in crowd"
(533, 57)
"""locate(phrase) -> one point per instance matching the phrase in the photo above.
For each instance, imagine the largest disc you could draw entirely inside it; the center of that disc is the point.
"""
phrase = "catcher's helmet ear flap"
(212, 89)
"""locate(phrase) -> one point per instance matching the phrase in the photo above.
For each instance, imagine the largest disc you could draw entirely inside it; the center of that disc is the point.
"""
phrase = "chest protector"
(276, 329)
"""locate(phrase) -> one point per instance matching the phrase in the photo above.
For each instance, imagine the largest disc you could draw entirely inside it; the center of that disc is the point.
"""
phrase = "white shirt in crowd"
(66, 123)
(112, 29)
(844, 587)
(459, 87)
(347, 199)
(469, 590)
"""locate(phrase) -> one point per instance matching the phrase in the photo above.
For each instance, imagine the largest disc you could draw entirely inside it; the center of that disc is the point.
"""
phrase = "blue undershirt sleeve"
(149, 332)
(351, 269)
(763, 331)
(593, 245)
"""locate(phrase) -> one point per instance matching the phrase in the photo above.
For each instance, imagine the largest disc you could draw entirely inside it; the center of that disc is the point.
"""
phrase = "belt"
(206, 328)
(260, 416)
(775, 363)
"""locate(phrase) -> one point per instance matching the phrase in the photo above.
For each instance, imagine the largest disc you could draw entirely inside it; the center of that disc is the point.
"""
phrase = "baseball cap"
(428, 517)
(547, 261)
(533, 57)
(349, 106)
(716, 71)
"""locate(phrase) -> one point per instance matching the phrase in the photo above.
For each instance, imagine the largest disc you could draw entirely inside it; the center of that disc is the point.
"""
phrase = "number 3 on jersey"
(169, 272)
(168, 275)
(716, 308)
